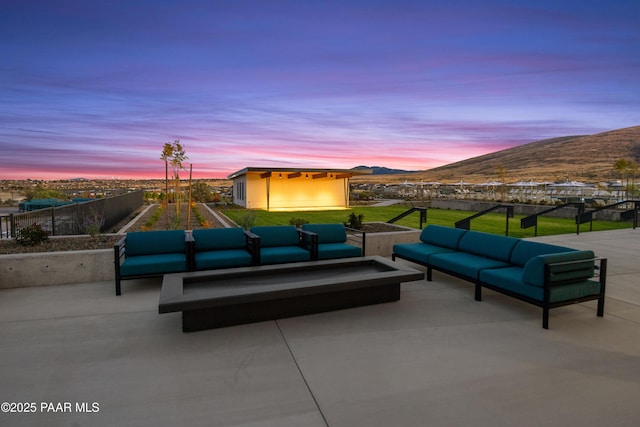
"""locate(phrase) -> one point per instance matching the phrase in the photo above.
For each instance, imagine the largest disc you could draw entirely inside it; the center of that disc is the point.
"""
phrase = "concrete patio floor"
(435, 358)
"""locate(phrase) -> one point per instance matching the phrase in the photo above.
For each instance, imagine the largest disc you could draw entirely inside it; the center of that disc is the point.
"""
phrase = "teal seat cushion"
(510, 278)
(327, 233)
(488, 245)
(465, 264)
(338, 250)
(525, 250)
(533, 272)
(276, 235)
(222, 259)
(213, 239)
(155, 242)
(283, 254)
(153, 264)
(438, 235)
(418, 252)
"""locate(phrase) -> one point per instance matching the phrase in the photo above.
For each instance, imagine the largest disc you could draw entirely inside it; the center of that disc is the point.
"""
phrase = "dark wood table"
(218, 298)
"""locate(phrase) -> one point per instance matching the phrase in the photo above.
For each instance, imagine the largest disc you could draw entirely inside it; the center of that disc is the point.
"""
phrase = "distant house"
(293, 189)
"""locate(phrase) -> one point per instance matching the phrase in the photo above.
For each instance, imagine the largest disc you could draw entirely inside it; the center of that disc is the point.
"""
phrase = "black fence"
(99, 215)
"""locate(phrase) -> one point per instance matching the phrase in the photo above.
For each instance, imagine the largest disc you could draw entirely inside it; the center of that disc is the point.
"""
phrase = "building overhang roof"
(266, 172)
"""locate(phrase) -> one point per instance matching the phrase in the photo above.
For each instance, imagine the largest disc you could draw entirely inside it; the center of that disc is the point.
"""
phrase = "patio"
(436, 358)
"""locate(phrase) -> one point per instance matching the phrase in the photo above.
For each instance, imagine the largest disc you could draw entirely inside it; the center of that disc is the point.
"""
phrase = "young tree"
(178, 156)
(167, 151)
(173, 154)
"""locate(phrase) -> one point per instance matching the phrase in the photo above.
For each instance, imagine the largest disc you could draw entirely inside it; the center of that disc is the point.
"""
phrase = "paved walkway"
(436, 357)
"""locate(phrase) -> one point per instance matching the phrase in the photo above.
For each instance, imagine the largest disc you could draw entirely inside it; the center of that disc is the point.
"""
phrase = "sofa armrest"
(599, 271)
(309, 241)
(363, 236)
(253, 246)
(190, 249)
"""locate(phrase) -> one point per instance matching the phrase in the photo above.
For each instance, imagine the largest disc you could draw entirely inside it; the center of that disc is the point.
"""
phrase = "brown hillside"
(580, 158)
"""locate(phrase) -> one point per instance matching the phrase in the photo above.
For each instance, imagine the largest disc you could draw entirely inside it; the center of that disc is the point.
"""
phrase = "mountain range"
(567, 158)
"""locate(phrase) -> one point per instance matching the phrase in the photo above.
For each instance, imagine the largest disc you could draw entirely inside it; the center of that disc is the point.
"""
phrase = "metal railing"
(532, 220)
(5, 226)
(466, 222)
(77, 218)
(423, 216)
(584, 217)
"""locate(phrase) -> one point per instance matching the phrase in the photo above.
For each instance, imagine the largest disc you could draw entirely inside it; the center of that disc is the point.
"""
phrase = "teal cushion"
(327, 233)
(338, 250)
(283, 254)
(222, 259)
(467, 265)
(153, 264)
(525, 250)
(155, 242)
(487, 245)
(418, 252)
(533, 272)
(276, 235)
(438, 235)
(212, 239)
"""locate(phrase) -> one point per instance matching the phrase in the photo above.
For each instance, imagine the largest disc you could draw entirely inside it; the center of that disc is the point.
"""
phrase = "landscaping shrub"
(31, 236)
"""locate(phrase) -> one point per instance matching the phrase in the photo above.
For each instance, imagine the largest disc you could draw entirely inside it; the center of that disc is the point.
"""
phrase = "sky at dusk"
(94, 89)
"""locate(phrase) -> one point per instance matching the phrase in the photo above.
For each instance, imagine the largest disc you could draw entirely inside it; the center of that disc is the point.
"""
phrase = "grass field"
(490, 223)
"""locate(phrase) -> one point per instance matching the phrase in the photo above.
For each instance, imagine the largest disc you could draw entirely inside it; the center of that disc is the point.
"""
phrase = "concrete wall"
(56, 268)
(382, 243)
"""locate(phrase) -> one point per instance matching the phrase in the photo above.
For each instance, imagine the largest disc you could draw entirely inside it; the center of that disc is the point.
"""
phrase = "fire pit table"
(218, 298)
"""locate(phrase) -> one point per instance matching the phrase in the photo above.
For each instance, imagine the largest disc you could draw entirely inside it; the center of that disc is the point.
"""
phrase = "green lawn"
(491, 223)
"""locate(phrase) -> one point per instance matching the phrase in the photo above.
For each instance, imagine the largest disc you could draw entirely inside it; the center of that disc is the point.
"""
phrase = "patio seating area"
(436, 357)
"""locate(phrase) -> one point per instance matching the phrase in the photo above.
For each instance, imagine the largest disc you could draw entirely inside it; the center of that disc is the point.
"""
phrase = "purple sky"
(95, 88)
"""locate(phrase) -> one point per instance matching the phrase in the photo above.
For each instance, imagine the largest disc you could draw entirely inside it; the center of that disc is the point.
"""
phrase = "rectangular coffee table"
(218, 298)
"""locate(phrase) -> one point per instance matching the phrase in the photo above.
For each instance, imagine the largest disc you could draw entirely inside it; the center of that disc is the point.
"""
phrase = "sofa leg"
(545, 318)
(429, 271)
(478, 292)
(118, 288)
(601, 306)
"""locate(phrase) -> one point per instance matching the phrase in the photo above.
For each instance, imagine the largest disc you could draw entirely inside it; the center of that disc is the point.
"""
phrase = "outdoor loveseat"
(279, 244)
(545, 275)
(151, 253)
(215, 248)
(329, 241)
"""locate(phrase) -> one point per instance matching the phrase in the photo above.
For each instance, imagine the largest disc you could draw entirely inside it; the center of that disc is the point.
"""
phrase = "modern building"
(293, 188)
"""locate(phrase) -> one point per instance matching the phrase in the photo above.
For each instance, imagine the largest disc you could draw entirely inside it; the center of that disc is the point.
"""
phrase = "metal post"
(53, 222)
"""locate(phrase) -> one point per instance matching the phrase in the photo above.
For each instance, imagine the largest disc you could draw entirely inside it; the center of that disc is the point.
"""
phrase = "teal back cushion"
(525, 250)
(155, 242)
(533, 271)
(438, 235)
(327, 233)
(487, 245)
(276, 235)
(215, 239)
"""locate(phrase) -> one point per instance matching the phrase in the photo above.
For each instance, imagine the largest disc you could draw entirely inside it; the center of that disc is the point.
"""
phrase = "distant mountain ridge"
(381, 170)
(578, 157)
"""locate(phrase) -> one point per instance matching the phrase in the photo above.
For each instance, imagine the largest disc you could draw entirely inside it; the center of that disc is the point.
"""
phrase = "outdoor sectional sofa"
(545, 275)
(155, 253)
